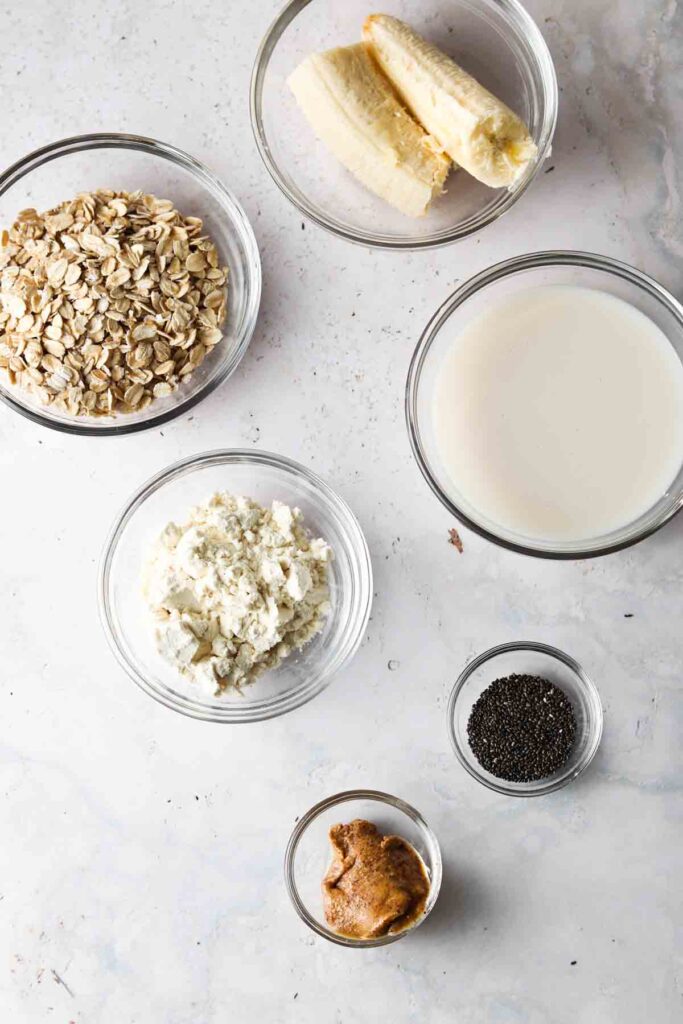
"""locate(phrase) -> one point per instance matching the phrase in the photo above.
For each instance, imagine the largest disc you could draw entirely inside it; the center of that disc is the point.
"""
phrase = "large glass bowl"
(527, 658)
(169, 496)
(308, 854)
(495, 40)
(467, 302)
(60, 171)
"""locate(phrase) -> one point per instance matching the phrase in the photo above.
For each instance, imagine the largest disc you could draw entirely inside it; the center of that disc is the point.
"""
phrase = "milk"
(558, 414)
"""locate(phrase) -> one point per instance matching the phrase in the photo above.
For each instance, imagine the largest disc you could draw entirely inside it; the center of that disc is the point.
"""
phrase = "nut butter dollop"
(375, 885)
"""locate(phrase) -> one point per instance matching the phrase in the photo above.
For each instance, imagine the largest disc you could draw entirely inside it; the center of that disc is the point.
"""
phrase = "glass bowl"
(472, 298)
(308, 854)
(60, 171)
(527, 658)
(129, 624)
(495, 40)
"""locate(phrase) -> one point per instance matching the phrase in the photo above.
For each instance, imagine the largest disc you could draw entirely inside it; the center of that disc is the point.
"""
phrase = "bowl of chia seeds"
(524, 719)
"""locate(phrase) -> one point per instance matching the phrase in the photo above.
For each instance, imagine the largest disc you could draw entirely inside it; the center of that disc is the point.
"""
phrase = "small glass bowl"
(169, 496)
(527, 658)
(582, 269)
(495, 40)
(308, 854)
(60, 171)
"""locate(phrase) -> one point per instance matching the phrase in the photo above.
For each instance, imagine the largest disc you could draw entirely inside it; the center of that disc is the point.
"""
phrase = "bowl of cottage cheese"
(234, 585)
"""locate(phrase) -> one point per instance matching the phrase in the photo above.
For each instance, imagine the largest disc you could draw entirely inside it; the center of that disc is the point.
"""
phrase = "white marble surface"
(140, 852)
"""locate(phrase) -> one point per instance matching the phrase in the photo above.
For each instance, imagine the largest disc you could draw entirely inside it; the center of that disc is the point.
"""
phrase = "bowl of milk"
(545, 404)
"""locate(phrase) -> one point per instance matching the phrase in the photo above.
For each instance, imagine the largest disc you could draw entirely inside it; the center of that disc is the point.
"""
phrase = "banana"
(478, 131)
(354, 110)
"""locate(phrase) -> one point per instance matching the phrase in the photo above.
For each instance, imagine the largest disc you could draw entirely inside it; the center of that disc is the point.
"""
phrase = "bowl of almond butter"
(363, 868)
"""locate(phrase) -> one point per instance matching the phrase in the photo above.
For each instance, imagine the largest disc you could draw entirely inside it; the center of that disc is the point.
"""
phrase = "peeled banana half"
(354, 110)
(476, 129)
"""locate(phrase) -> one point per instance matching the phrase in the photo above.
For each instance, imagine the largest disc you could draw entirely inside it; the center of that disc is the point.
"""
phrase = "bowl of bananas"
(405, 130)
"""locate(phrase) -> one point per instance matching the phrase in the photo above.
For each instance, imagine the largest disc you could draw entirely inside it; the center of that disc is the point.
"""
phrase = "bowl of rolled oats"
(130, 284)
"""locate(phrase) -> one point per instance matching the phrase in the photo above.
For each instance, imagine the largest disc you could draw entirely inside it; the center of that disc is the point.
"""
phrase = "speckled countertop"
(141, 852)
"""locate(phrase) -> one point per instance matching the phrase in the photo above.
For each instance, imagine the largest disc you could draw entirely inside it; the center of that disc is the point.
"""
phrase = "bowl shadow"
(462, 900)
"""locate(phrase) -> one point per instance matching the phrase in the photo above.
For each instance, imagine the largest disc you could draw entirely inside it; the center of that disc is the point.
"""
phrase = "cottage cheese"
(235, 589)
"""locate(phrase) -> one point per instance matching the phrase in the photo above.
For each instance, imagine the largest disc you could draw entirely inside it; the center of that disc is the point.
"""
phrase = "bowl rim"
(477, 283)
(244, 233)
(344, 797)
(586, 683)
(536, 44)
(258, 710)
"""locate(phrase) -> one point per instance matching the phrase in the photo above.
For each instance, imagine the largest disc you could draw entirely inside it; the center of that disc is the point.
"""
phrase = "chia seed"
(522, 728)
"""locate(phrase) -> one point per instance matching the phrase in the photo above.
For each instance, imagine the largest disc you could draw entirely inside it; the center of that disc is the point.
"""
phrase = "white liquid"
(558, 413)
